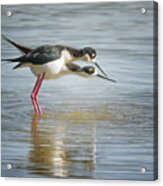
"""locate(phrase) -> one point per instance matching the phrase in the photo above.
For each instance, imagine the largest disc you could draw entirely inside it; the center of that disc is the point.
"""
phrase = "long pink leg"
(34, 95)
(37, 91)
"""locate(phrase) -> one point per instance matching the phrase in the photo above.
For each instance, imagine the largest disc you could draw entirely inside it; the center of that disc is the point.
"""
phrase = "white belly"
(51, 69)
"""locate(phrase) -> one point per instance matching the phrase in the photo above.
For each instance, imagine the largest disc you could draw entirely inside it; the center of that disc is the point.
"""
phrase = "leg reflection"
(62, 149)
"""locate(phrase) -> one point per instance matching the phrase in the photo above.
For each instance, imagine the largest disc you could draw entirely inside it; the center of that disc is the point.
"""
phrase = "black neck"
(78, 53)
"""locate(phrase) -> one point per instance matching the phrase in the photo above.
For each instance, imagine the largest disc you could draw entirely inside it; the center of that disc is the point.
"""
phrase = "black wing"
(42, 55)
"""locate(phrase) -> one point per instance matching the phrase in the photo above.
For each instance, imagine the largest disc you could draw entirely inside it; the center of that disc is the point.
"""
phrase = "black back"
(42, 55)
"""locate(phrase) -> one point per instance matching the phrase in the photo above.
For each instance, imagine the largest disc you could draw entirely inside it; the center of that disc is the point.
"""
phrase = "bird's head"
(90, 71)
(89, 55)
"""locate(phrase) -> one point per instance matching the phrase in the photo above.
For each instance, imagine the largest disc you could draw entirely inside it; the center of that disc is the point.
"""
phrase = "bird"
(54, 61)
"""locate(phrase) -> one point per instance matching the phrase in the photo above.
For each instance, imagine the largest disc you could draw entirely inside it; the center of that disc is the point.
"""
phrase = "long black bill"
(106, 78)
(100, 69)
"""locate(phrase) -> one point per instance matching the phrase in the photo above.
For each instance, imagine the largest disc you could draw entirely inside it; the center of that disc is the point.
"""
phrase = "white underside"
(52, 69)
(57, 68)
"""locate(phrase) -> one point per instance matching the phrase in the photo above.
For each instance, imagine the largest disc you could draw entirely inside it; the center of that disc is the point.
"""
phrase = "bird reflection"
(62, 149)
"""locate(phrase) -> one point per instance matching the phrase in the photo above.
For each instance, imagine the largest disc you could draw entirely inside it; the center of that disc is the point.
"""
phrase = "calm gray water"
(90, 128)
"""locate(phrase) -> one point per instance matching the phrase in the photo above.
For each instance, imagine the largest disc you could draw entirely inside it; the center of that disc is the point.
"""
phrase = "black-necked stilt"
(52, 62)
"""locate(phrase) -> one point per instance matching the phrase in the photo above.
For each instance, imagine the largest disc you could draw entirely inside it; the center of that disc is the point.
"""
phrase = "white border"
(71, 182)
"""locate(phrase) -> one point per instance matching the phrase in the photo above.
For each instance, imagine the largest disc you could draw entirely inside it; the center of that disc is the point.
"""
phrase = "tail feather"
(17, 66)
(19, 59)
(23, 49)
(20, 64)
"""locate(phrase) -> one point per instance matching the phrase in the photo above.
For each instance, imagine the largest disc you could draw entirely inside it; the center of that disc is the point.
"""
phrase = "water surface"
(90, 128)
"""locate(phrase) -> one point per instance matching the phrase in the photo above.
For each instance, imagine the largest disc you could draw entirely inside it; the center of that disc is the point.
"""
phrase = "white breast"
(51, 69)
(67, 56)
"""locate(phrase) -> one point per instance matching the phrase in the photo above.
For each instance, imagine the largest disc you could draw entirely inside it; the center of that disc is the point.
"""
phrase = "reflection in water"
(62, 150)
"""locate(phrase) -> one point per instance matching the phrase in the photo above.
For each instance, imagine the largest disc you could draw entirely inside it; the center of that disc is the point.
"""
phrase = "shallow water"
(90, 128)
